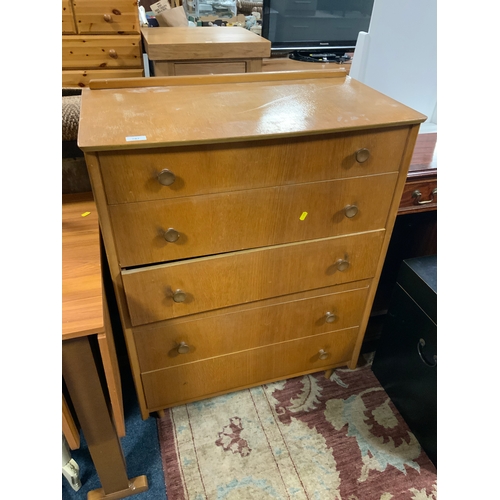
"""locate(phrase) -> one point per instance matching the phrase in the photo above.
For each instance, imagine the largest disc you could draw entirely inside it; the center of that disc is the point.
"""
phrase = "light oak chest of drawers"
(246, 220)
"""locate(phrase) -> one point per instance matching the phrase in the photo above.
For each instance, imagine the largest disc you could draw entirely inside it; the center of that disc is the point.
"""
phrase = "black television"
(315, 30)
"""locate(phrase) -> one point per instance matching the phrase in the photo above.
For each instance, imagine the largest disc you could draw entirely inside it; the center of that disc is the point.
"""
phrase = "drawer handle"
(179, 296)
(113, 54)
(171, 235)
(342, 264)
(417, 194)
(323, 354)
(350, 211)
(183, 348)
(362, 155)
(420, 344)
(107, 18)
(166, 177)
(330, 317)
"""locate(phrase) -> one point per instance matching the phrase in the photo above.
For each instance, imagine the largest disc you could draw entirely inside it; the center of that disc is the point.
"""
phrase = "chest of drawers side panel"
(109, 244)
(393, 212)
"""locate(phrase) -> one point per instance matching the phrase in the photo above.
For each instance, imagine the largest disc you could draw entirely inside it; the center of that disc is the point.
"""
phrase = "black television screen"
(329, 26)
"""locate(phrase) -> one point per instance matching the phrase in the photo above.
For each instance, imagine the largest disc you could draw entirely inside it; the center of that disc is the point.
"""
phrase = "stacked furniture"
(100, 39)
(204, 51)
(245, 244)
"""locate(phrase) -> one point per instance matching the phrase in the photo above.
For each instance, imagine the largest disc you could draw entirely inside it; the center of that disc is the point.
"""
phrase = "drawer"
(234, 278)
(239, 328)
(81, 77)
(101, 52)
(412, 202)
(209, 68)
(206, 378)
(205, 169)
(68, 21)
(205, 225)
(115, 16)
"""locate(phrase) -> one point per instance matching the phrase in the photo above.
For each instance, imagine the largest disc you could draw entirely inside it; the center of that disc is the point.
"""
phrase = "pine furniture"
(204, 50)
(100, 39)
(246, 243)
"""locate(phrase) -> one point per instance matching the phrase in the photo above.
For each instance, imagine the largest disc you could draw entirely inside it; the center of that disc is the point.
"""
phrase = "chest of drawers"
(100, 39)
(246, 220)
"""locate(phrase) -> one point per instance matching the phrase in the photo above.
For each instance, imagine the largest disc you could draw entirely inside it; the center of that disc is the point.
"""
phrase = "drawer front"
(214, 282)
(116, 16)
(206, 378)
(209, 68)
(68, 22)
(100, 52)
(225, 222)
(162, 345)
(411, 201)
(133, 176)
(81, 77)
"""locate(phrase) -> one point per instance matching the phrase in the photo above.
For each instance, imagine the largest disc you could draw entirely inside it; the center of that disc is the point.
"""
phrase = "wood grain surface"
(82, 307)
(251, 110)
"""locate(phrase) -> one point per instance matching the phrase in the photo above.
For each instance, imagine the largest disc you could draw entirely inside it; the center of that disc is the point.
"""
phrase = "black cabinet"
(405, 361)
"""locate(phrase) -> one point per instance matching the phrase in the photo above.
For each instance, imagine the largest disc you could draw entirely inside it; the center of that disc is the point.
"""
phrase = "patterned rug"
(303, 438)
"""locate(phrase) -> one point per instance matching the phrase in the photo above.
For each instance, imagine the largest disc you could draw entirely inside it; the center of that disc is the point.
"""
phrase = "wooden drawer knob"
(183, 348)
(330, 317)
(179, 296)
(342, 264)
(323, 354)
(362, 155)
(171, 235)
(166, 177)
(113, 54)
(107, 18)
(350, 211)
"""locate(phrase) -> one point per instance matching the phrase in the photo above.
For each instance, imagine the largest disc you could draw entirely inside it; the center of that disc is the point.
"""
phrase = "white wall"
(398, 55)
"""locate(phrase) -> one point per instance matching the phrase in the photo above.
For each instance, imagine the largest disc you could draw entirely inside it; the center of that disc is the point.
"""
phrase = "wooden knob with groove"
(179, 296)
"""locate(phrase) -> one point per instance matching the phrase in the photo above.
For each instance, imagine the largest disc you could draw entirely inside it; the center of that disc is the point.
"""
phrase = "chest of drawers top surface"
(171, 114)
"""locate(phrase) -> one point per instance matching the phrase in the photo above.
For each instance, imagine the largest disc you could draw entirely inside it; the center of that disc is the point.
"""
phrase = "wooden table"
(86, 331)
(202, 51)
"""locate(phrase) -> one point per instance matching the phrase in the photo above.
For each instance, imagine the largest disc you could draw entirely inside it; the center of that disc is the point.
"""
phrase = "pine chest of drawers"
(246, 220)
(100, 39)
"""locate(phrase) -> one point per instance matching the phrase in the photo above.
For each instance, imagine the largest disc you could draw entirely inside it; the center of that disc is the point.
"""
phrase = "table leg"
(86, 392)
